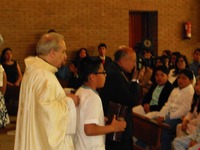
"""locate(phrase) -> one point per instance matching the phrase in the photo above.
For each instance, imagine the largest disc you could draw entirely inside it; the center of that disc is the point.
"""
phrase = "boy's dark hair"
(162, 68)
(197, 50)
(187, 72)
(102, 45)
(88, 65)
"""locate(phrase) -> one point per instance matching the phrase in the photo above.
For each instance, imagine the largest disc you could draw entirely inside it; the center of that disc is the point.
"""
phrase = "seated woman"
(4, 118)
(11, 67)
(189, 123)
(180, 64)
(158, 93)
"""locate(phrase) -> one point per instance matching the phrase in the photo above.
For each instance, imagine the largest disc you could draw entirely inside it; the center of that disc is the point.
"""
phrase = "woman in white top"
(181, 63)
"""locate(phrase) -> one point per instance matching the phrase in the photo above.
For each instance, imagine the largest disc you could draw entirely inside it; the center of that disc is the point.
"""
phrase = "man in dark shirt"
(121, 87)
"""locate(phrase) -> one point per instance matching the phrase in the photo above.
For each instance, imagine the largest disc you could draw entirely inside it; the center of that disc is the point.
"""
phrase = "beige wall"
(86, 23)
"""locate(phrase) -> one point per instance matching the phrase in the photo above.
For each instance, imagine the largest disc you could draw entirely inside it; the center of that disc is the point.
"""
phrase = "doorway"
(142, 26)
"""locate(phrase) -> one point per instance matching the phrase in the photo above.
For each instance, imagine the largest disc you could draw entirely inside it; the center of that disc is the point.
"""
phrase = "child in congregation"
(177, 105)
(158, 93)
(189, 123)
(189, 142)
(91, 128)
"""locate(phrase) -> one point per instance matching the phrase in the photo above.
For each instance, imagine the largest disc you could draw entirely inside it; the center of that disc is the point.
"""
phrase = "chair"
(147, 130)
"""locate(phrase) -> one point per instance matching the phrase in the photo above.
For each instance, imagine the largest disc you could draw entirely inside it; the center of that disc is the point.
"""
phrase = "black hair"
(88, 65)
(161, 58)
(4, 52)
(102, 45)
(75, 63)
(162, 68)
(197, 50)
(168, 52)
(176, 54)
(79, 51)
(176, 71)
(187, 72)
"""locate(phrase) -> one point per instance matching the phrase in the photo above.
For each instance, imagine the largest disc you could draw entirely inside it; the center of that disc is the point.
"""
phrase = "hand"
(192, 143)
(118, 125)
(16, 83)
(75, 98)
(184, 124)
(160, 119)
(106, 119)
(146, 108)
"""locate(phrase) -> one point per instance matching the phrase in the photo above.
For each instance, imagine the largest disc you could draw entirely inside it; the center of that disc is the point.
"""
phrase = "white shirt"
(90, 111)
(46, 117)
(172, 78)
(178, 103)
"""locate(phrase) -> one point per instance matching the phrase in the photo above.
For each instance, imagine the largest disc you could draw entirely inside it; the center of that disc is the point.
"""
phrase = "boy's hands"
(146, 108)
(118, 125)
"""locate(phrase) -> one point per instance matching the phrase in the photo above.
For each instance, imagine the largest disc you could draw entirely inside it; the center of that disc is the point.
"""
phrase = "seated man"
(158, 93)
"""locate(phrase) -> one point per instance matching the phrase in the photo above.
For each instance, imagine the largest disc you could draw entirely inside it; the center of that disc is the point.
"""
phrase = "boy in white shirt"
(177, 106)
(91, 127)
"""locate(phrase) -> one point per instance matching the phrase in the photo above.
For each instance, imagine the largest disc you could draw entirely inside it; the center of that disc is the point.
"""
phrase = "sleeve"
(186, 100)
(52, 110)
(147, 98)
(165, 109)
(189, 116)
(71, 124)
(91, 111)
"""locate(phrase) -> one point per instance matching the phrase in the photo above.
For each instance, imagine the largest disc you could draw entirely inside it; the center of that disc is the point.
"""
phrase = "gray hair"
(48, 42)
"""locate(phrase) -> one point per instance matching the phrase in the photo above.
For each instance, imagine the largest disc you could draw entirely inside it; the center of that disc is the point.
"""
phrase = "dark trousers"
(168, 135)
(123, 145)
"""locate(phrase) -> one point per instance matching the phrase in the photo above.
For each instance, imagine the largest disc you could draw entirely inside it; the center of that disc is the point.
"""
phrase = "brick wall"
(86, 23)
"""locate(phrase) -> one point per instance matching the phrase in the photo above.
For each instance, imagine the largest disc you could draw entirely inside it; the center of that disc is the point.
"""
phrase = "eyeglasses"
(102, 72)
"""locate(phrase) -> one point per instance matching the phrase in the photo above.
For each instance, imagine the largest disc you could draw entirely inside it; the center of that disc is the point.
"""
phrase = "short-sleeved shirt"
(89, 111)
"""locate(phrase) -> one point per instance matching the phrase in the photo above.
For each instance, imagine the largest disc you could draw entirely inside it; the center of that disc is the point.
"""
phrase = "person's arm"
(3, 88)
(115, 126)
(17, 83)
(185, 100)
